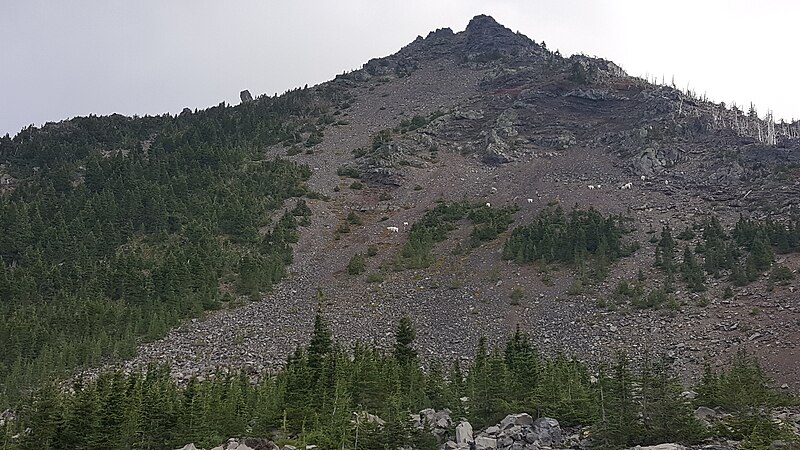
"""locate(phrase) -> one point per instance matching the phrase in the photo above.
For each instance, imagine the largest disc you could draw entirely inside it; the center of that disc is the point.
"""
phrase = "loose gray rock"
(523, 419)
(464, 433)
(485, 443)
(661, 447)
(706, 415)
(548, 431)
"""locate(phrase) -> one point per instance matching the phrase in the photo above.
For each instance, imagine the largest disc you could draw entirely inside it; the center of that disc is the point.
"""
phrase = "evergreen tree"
(321, 343)
(666, 415)
(404, 337)
(619, 425)
(692, 273)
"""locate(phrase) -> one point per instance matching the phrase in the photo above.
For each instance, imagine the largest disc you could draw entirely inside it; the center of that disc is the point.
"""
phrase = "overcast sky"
(65, 58)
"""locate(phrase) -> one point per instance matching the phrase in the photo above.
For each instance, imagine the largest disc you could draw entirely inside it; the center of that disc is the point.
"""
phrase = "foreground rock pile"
(515, 432)
(249, 444)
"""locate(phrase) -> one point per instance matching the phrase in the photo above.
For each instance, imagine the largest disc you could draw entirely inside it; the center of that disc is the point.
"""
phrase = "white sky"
(60, 59)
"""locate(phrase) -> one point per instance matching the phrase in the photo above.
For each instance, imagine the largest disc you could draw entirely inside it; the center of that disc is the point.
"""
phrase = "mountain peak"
(482, 21)
(484, 33)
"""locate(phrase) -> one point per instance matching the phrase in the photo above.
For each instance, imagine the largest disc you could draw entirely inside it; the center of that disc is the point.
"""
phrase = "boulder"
(548, 431)
(440, 434)
(442, 419)
(260, 444)
(485, 443)
(522, 419)
(493, 430)
(705, 414)
(188, 447)
(365, 417)
(464, 433)
(428, 415)
(662, 447)
(495, 150)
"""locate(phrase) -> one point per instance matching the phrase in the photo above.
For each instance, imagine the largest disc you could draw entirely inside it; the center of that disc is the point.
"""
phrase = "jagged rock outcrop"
(514, 432)
(245, 96)
(439, 422)
(595, 94)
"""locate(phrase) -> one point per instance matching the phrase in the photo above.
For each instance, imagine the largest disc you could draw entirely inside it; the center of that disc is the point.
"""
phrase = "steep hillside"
(486, 117)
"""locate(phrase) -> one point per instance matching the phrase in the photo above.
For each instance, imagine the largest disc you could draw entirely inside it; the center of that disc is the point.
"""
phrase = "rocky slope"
(489, 115)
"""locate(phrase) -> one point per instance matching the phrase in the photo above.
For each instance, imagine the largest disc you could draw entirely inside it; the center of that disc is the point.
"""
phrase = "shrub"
(376, 277)
(347, 171)
(353, 218)
(357, 265)
(516, 295)
(781, 275)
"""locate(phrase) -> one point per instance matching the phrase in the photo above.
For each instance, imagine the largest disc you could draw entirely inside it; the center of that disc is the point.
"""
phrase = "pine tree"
(692, 273)
(321, 342)
(666, 416)
(404, 352)
(619, 425)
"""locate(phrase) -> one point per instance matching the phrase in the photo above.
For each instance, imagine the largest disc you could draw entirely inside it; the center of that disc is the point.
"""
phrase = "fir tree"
(404, 337)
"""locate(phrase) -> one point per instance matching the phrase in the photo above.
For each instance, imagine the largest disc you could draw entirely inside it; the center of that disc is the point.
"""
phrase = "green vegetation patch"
(575, 238)
(435, 225)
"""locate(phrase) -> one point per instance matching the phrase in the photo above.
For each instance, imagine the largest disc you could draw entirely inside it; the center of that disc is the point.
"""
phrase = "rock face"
(245, 96)
(484, 34)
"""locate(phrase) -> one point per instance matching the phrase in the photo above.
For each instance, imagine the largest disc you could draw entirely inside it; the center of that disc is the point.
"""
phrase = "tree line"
(312, 400)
